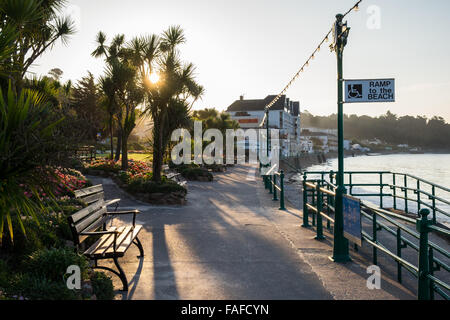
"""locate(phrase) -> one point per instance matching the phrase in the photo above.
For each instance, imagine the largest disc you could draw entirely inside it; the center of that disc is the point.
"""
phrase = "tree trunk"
(124, 150)
(157, 150)
(111, 135)
(119, 145)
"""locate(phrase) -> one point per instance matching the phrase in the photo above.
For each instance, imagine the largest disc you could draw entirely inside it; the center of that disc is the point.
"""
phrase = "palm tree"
(26, 144)
(37, 25)
(109, 104)
(121, 85)
(171, 93)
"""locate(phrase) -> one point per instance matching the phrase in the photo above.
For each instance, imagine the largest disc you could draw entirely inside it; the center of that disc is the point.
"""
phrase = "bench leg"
(139, 245)
(122, 275)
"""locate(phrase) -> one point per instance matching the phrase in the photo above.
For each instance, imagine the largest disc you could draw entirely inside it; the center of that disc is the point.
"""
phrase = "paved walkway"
(231, 242)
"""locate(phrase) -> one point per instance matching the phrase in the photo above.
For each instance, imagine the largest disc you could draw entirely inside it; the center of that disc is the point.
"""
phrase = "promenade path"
(231, 242)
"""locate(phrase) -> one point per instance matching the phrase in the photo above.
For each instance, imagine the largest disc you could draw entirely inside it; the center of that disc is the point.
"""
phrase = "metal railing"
(318, 199)
(405, 188)
(274, 182)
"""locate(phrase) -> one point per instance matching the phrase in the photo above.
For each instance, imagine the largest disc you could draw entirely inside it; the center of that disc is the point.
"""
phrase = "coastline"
(303, 162)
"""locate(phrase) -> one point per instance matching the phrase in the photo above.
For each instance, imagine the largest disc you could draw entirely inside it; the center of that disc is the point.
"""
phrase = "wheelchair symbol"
(355, 91)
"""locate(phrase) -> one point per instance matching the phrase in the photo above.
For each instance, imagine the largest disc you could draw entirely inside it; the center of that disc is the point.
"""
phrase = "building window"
(281, 120)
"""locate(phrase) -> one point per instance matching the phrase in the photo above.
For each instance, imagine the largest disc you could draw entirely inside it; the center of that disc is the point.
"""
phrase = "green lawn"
(146, 157)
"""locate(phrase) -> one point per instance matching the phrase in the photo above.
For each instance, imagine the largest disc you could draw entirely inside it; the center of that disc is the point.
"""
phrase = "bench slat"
(87, 191)
(95, 217)
(86, 211)
(93, 197)
(100, 249)
(129, 240)
(126, 242)
(93, 227)
(100, 242)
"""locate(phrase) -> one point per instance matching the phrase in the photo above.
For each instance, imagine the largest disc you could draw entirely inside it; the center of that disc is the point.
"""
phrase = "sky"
(254, 47)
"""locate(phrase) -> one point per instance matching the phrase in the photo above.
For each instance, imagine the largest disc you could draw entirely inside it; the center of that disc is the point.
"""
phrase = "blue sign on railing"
(352, 219)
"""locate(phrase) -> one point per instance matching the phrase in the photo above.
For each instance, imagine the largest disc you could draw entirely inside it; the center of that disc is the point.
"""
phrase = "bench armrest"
(134, 212)
(95, 233)
(113, 201)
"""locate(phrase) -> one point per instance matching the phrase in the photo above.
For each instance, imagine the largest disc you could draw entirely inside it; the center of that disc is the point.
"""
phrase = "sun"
(154, 77)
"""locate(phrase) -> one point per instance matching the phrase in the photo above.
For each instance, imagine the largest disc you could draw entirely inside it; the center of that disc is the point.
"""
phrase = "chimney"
(241, 98)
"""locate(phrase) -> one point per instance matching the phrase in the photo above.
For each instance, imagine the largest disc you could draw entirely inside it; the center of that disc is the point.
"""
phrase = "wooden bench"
(86, 153)
(92, 194)
(113, 242)
(176, 177)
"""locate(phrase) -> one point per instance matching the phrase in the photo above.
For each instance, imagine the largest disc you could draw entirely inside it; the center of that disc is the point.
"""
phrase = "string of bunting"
(311, 57)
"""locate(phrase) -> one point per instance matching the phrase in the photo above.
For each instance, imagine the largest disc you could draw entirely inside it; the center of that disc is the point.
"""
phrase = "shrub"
(50, 230)
(102, 286)
(28, 142)
(196, 173)
(33, 287)
(25, 243)
(52, 263)
(148, 186)
(43, 276)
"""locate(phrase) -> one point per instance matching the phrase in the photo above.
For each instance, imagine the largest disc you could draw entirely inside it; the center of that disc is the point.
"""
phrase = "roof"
(257, 104)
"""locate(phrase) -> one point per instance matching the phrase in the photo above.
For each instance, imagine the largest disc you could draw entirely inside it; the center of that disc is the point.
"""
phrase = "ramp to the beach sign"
(365, 90)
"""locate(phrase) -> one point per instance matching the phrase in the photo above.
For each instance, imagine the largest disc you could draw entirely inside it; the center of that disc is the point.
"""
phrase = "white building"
(283, 115)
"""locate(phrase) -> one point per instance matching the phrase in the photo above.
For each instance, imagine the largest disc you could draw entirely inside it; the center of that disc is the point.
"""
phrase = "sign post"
(340, 243)
(375, 90)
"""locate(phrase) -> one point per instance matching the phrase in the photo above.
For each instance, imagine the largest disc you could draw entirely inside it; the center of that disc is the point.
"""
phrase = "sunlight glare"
(154, 78)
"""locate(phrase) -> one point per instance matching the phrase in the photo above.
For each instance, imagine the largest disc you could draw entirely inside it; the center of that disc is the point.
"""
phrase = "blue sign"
(352, 218)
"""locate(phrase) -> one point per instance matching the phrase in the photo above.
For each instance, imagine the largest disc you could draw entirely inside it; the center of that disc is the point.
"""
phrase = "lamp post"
(340, 247)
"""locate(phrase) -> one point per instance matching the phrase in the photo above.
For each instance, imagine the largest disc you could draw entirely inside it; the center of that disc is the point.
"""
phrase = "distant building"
(283, 115)
(328, 138)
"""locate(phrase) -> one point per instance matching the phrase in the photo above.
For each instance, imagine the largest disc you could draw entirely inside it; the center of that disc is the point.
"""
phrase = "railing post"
(350, 183)
(381, 190)
(433, 201)
(374, 237)
(328, 209)
(405, 184)
(399, 253)
(418, 195)
(314, 203)
(394, 191)
(305, 201)
(319, 235)
(424, 264)
(431, 266)
(275, 198)
(282, 207)
(270, 183)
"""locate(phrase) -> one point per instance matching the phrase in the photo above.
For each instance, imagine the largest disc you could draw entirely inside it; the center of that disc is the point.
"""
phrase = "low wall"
(302, 162)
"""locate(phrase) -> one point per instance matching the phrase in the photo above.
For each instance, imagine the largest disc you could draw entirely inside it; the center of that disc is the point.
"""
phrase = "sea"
(434, 168)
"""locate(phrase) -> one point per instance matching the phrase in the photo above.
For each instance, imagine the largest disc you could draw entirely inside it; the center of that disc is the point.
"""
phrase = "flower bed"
(103, 166)
(137, 180)
(192, 171)
(60, 182)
